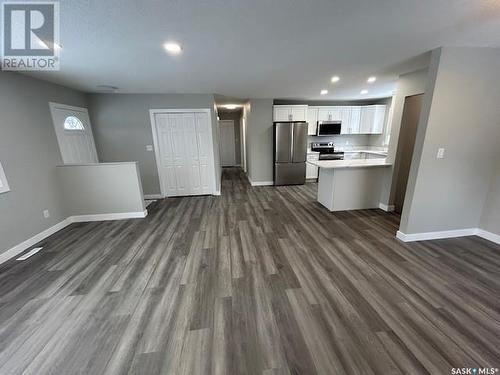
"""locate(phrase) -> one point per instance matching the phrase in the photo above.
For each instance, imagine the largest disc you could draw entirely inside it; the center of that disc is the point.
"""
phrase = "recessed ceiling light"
(371, 79)
(335, 79)
(363, 92)
(323, 92)
(230, 106)
(173, 48)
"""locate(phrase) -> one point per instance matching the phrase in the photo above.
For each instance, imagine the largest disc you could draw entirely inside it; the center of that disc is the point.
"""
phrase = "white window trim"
(4, 185)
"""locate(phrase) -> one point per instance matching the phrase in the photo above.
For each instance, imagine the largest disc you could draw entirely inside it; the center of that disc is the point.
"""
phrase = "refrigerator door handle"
(292, 131)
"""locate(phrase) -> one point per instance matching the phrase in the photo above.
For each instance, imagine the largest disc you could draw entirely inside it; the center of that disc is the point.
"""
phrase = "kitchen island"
(350, 184)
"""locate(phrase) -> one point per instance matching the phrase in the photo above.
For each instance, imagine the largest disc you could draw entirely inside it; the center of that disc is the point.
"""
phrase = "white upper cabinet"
(379, 120)
(330, 113)
(282, 113)
(312, 120)
(354, 126)
(368, 119)
(345, 117)
(372, 119)
(299, 112)
(290, 113)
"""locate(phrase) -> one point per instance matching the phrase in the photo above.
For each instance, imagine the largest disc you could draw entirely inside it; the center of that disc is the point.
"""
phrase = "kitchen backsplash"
(349, 141)
(342, 140)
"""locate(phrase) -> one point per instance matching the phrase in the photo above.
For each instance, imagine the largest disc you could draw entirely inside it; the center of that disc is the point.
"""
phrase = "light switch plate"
(149, 147)
(440, 153)
(46, 214)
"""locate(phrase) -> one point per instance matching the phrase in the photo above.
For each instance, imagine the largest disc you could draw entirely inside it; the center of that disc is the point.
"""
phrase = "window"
(4, 186)
(73, 123)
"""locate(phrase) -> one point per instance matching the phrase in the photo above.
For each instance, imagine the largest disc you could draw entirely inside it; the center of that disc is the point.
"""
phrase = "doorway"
(184, 151)
(228, 145)
(74, 134)
(406, 144)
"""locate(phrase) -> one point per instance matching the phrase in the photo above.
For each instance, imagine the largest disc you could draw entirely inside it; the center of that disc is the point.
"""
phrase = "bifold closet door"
(185, 161)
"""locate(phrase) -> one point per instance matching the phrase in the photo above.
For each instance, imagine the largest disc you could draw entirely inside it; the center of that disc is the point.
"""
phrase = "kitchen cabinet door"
(367, 119)
(312, 170)
(336, 113)
(282, 113)
(378, 119)
(355, 121)
(299, 112)
(324, 114)
(312, 120)
(345, 117)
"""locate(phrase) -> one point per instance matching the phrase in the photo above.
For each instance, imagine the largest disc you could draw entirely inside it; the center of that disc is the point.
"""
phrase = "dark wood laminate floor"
(257, 281)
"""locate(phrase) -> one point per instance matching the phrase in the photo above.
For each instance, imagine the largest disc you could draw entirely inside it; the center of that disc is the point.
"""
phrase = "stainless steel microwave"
(327, 128)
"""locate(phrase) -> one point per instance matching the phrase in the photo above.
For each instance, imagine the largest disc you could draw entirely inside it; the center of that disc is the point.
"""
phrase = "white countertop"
(375, 152)
(353, 163)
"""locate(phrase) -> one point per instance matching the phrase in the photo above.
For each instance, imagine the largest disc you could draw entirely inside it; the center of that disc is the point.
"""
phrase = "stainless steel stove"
(327, 151)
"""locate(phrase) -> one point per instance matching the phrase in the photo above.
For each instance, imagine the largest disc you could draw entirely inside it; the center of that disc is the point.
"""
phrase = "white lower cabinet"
(312, 170)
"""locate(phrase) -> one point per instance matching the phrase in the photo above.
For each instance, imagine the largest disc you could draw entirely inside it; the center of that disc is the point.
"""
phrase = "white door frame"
(53, 106)
(154, 130)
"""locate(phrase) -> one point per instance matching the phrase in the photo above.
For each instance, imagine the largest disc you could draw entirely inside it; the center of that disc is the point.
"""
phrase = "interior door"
(184, 142)
(167, 163)
(204, 152)
(406, 144)
(192, 155)
(227, 143)
(74, 134)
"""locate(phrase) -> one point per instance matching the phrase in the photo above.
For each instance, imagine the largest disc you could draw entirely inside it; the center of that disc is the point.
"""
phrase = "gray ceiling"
(262, 48)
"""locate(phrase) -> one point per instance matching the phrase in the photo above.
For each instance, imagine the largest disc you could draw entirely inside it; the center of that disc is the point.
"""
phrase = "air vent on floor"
(30, 253)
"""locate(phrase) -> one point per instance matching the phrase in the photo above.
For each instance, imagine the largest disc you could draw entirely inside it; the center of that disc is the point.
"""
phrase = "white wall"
(461, 114)
(122, 129)
(106, 188)
(29, 154)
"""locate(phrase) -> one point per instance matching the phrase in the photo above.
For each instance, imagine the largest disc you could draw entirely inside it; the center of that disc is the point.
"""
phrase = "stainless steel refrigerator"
(290, 152)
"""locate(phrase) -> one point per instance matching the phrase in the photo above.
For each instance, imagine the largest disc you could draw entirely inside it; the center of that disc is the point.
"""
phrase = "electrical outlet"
(46, 214)
(440, 153)
(149, 147)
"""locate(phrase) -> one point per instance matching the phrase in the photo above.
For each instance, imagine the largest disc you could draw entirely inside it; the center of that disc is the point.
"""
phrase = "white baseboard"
(153, 196)
(488, 236)
(217, 192)
(260, 183)
(435, 235)
(16, 250)
(106, 217)
(448, 234)
(385, 207)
